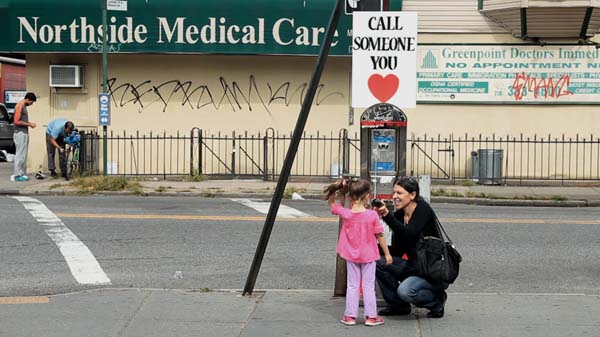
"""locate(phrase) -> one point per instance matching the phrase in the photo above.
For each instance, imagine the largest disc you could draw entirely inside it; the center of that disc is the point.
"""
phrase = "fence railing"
(525, 158)
(261, 155)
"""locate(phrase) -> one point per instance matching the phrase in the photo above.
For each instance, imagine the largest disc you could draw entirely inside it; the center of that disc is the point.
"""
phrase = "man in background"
(21, 136)
(57, 130)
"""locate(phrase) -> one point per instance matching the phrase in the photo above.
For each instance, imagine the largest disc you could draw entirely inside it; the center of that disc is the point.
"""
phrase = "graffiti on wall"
(540, 87)
(228, 95)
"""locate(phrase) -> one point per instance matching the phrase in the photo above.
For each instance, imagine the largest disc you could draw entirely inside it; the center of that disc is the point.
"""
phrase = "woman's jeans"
(421, 293)
(399, 288)
(388, 278)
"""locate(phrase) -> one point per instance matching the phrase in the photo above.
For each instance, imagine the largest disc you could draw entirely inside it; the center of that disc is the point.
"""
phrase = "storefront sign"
(384, 59)
(158, 26)
(509, 74)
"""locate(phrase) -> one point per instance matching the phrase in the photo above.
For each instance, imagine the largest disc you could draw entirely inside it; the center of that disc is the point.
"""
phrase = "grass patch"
(94, 184)
(528, 197)
(204, 290)
(287, 194)
(54, 186)
(468, 183)
(559, 198)
(442, 192)
(208, 194)
(194, 177)
(161, 189)
(470, 194)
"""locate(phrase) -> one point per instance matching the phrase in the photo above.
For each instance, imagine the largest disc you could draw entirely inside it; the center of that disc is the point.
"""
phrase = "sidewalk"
(310, 313)
(556, 196)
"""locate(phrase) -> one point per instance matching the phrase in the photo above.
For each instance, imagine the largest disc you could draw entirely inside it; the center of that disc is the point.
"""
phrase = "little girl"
(357, 244)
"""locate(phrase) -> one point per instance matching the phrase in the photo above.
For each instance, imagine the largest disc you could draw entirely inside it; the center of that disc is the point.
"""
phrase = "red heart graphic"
(383, 88)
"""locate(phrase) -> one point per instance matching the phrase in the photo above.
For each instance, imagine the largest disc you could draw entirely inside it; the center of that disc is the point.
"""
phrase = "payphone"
(382, 160)
(383, 148)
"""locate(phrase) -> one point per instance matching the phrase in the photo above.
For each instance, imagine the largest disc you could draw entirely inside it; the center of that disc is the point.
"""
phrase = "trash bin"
(474, 166)
(490, 166)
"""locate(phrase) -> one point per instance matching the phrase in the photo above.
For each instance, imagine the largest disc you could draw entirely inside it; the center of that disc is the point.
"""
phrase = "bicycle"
(72, 145)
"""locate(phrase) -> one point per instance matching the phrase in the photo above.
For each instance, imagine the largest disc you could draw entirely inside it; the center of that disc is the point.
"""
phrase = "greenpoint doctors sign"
(508, 74)
(172, 26)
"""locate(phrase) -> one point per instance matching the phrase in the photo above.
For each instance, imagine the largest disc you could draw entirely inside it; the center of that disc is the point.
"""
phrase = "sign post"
(104, 83)
(292, 149)
(104, 111)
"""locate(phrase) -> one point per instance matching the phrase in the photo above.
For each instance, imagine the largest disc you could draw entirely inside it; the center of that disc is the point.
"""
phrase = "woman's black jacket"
(404, 240)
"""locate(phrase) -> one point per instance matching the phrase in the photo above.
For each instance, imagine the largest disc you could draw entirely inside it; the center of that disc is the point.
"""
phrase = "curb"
(593, 203)
(313, 196)
(9, 192)
(514, 202)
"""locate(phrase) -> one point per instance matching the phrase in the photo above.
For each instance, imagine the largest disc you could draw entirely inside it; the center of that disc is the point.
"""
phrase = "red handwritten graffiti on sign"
(547, 86)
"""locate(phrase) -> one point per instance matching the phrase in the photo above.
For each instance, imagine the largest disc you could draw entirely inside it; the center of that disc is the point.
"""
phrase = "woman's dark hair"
(410, 184)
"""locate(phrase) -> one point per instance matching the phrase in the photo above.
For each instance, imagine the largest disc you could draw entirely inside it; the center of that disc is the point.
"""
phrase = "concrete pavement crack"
(130, 319)
(418, 325)
(256, 303)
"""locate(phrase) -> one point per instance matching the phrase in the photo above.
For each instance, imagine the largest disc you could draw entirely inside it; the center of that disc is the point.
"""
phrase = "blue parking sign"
(104, 109)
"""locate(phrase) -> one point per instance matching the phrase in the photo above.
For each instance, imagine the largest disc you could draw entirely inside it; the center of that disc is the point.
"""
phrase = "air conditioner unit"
(66, 76)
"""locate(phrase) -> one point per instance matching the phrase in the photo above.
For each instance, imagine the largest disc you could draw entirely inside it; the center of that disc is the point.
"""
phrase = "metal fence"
(525, 158)
(261, 155)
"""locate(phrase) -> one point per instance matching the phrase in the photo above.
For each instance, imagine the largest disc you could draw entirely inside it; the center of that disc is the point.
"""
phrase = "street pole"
(291, 153)
(104, 82)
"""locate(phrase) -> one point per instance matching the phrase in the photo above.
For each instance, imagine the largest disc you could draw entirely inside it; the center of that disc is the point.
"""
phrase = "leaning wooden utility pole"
(291, 153)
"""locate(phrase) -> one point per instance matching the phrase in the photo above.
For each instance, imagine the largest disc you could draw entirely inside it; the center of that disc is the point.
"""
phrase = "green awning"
(171, 26)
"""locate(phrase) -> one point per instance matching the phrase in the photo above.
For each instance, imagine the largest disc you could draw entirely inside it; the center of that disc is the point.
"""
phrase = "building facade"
(175, 65)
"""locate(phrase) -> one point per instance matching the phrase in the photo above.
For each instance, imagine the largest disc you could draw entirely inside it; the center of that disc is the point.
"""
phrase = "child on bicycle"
(357, 244)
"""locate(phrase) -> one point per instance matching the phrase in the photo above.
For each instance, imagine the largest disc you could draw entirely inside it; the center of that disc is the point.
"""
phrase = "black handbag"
(438, 260)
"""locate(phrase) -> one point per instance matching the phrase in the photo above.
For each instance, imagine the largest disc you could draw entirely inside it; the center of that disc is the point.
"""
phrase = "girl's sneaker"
(348, 320)
(373, 321)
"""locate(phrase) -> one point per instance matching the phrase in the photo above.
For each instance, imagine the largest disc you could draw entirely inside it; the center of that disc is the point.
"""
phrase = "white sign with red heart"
(384, 59)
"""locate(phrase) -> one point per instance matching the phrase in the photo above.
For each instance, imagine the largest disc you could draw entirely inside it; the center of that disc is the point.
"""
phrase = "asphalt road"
(195, 243)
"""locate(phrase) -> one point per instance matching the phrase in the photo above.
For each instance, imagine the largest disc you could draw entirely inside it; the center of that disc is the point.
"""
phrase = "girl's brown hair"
(354, 189)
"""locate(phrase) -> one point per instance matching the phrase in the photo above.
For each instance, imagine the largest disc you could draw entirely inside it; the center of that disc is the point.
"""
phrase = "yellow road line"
(25, 300)
(187, 217)
(526, 221)
(307, 219)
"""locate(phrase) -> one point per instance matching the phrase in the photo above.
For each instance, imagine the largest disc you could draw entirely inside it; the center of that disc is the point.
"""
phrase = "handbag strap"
(441, 229)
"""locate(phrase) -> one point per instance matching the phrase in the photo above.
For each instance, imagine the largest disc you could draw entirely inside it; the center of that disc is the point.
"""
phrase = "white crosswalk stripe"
(263, 207)
(81, 261)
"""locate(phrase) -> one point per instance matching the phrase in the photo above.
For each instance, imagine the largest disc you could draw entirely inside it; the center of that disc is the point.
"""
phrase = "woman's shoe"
(436, 314)
(440, 312)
